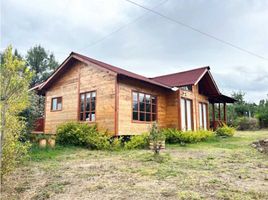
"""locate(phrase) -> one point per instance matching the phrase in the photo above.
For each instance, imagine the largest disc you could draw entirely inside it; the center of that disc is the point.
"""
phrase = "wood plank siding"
(80, 78)
(109, 89)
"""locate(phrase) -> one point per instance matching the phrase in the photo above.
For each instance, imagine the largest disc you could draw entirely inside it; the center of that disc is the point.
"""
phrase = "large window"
(88, 106)
(144, 107)
(186, 114)
(203, 116)
(56, 104)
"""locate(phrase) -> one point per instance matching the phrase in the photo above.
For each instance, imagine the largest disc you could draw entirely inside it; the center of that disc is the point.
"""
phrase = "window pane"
(148, 117)
(141, 97)
(81, 116)
(189, 114)
(93, 106)
(135, 106)
(134, 115)
(205, 116)
(153, 117)
(154, 108)
(87, 101)
(135, 96)
(142, 116)
(93, 116)
(148, 99)
(82, 102)
(59, 106)
(93, 96)
(148, 107)
(142, 106)
(54, 104)
(154, 100)
(200, 116)
(183, 116)
(87, 117)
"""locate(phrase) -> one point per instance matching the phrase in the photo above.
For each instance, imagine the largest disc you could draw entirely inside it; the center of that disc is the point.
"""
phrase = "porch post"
(225, 116)
(219, 114)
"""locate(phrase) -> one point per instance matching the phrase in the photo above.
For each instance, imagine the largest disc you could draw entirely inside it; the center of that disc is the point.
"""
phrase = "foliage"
(34, 111)
(262, 113)
(138, 142)
(246, 123)
(174, 136)
(74, 133)
(81, 134)
(156, 136)
(15, 78)
(225, 131)
(41, 62)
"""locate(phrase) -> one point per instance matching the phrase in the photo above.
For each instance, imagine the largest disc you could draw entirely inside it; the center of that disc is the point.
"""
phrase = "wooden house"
(124, 103)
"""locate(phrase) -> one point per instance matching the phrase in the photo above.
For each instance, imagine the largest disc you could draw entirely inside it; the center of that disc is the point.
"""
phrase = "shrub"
(225, 131)
(80, 134)
(138, 142)
(174, 136)
(156, 137)
(246, 123)
(74, 133)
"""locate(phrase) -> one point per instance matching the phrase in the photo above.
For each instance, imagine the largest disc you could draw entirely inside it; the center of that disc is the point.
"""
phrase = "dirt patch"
(261, 146)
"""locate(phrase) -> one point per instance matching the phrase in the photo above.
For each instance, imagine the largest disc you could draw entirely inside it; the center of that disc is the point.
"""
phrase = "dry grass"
(219, 169)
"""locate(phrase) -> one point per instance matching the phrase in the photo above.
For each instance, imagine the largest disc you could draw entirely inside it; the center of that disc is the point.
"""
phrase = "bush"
(174, 136)
(225, 131)
(156, 137)
(138, 142)
(246, 123)
(80, 134)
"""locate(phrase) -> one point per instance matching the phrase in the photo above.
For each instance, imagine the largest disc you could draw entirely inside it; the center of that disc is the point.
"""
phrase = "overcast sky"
(151, 45)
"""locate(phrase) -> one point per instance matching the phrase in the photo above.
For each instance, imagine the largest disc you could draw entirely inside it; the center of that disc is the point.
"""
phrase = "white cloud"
(152, 45)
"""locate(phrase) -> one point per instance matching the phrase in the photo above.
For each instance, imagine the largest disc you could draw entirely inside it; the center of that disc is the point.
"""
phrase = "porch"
(219, 110)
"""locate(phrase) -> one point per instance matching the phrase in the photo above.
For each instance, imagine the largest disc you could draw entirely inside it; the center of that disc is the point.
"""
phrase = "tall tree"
(41, 62)
(14, 79)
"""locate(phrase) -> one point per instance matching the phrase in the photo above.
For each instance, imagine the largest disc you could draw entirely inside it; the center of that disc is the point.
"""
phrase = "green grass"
(220, 168)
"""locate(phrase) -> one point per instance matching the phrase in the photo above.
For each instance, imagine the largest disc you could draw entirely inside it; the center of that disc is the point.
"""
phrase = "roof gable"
(190, 77)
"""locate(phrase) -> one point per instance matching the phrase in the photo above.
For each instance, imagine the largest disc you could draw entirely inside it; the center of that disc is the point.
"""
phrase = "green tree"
(41, 62)
(262, 112)
(15, 79)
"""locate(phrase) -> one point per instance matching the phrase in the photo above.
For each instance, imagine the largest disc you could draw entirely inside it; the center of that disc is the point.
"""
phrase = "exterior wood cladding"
(126, 126)
(80, 78)
(196, 99)
(114, 100)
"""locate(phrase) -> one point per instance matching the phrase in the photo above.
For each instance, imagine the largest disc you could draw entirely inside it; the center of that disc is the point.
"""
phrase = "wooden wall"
(77, 79)
(126, 125)
(196, 98)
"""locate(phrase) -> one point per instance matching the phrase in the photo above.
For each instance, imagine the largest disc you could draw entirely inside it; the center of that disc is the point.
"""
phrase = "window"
(203, 116)
(88, 106)
(143, 107)
(186, 114)
(56, 104)
(186, 87)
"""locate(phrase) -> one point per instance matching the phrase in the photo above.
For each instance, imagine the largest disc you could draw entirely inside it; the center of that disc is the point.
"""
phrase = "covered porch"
(219, 110)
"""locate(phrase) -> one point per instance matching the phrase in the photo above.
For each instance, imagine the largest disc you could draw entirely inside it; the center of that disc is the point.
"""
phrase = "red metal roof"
(189, 77)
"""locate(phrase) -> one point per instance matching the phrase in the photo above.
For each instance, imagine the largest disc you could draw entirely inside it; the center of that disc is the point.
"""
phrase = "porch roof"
(221, 99)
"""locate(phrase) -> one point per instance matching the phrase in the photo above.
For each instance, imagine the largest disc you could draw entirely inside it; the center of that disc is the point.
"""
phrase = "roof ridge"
(205, 67)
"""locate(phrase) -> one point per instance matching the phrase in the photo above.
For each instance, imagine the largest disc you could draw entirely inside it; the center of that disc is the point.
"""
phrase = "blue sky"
(152, 45)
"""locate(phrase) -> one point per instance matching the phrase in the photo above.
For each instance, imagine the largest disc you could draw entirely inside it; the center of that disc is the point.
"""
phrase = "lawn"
(217, 169)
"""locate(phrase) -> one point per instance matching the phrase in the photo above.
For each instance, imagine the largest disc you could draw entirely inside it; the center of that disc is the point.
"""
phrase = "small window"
(88, 106)
(56, 104)
(143, 107)
(187, 88)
